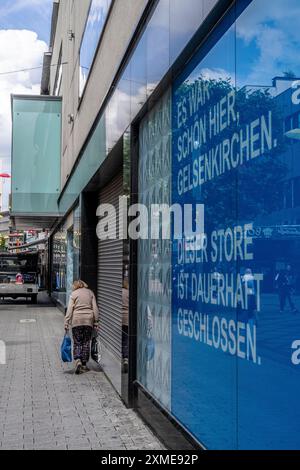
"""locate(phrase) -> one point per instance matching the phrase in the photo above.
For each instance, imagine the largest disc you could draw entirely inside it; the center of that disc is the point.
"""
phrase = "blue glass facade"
(217, 316)
(235, 299)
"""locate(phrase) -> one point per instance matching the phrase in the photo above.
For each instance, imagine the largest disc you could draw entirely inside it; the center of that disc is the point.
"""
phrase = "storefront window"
(233, 350)
(267, 74)
(59, 266)
(66, 258)
(70, 263)
(76, 243)
(204, 392)
(154, 272)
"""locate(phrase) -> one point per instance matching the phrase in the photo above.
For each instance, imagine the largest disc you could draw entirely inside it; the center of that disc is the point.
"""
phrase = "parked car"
(19, 276)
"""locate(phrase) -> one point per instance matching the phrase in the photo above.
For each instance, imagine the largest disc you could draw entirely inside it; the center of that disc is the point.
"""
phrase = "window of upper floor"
(58, 77)
(96, 20)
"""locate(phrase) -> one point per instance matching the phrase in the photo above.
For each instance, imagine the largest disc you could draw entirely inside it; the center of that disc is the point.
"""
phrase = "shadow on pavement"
(43, 301)
(92, 368)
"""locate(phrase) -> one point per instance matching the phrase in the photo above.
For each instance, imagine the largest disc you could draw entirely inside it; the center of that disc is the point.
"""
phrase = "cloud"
(274, 31)
(249, 25)
(20, 49)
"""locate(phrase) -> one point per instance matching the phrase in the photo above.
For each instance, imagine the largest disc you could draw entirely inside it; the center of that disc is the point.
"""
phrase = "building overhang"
(36, 150)
(33, 222)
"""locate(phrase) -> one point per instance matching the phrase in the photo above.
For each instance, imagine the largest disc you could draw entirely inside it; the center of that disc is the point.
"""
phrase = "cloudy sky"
(24, 35)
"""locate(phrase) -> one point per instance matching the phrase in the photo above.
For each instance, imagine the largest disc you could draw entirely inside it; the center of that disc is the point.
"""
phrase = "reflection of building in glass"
(277, 232)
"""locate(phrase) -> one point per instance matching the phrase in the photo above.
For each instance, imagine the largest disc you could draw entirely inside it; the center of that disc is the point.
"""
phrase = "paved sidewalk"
(43, 405)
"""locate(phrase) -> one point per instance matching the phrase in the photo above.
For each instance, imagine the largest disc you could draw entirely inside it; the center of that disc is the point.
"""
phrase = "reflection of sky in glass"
(268, 41)
(173, 23)
(267, 45)
(94, 27)
(219, 64)
(185, 18)
(265, 39)
(158, 45)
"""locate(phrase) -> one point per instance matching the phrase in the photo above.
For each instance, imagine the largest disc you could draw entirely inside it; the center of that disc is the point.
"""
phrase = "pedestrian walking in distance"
(285, 282)
(82, 316)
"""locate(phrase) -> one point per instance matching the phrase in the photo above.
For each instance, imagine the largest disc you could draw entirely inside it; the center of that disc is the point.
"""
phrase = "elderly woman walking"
(82, 316)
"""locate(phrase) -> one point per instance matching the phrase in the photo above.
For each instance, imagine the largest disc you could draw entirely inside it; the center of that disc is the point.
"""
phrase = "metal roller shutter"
(110, 274)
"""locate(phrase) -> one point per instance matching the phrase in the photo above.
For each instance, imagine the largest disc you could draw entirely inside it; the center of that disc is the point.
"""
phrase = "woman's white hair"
(79, 284)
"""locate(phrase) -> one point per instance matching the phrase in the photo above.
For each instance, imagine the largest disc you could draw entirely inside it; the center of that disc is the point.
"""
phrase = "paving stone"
(44, 406)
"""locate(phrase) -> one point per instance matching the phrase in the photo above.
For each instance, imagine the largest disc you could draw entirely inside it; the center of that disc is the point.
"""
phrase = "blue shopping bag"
(66, 349)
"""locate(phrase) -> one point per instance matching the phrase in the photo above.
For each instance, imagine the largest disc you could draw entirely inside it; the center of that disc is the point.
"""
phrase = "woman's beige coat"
(82, 309)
